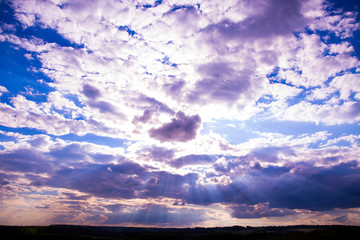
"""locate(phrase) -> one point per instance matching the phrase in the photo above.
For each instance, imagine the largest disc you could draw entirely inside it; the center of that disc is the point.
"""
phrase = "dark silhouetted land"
(70, 232)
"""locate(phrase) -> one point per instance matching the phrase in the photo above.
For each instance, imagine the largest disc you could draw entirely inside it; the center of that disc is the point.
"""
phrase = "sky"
(179, 113)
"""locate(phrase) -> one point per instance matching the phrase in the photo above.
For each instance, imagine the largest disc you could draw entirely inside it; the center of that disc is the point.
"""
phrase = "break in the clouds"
(168, 113)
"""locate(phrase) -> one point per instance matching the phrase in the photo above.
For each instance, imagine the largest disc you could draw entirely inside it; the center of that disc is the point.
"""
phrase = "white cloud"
(329, 114)
(310, 66)
(3, 90)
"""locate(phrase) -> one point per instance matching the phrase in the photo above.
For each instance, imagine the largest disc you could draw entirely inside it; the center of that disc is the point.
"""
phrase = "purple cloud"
(292, 187)
(71, 152)
(147, 115)
(155, 104)
(103, 106)
(220, 82)
(275, 17)
(174, 88)
(161, 154)
(258, 211)
(122, 181)
(26, 161)
(73, 196)
(3, 182)
(182, 128)
(91, 92)
(169, 185)
(193, 159)
(125, 180)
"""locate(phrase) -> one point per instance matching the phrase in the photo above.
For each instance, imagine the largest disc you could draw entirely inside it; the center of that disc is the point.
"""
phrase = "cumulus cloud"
(277, 17)
(182, 128)
(91, 92)
(220, 82)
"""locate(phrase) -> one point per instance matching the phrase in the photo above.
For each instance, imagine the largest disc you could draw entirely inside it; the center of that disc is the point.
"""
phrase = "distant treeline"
(69, 232)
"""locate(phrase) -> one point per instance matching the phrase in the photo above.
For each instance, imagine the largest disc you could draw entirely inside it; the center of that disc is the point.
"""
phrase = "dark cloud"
(150, 107)
(36, 180)
(46, 206)
(3, 182)
(115, 207)
(121, 181)
(146, 117)
(169, 185)
(103, 106)
(274, 17)
(258, 211)
(220, 82)
(174, 89)
(300, 187)
(91, 92)
(73, 196)
(207, 194)
(25, 160)
(71, 152)
(192, 160)
(156, 104)
(344, 219)
(160, 154)
(125, 180)
(159, 215)
(182, 128)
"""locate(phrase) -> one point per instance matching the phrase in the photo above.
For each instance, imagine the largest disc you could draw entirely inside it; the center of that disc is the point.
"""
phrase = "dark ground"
(69, 232)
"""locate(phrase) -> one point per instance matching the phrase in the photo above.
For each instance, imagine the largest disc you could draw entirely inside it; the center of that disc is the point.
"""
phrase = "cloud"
(276, 17)
(182, 128)
(258, 211)
(73, 196)
(147, 115)
(71, 152)
(121, 182)
(104, 107)
(330, 114)
(293, 187)
(193, 160)
(3, 90)
(169, 185)
(160, 154)
(158, 215)
(155, 103)
(25, 161)
(174, 88)
(91, 92)
(220, 83)
(125, 180)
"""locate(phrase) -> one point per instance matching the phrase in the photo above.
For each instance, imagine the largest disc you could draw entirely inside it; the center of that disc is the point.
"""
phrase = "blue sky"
(155, 113)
